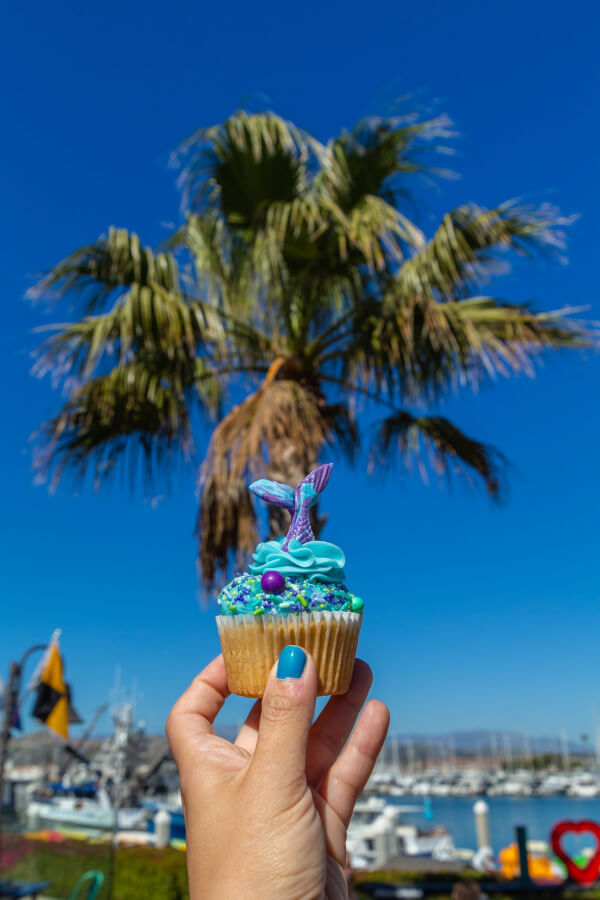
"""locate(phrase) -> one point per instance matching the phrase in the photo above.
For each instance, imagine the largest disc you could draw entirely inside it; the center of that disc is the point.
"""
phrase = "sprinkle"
(232, 606)
(285, 605)
(302, 601)
(258, 611)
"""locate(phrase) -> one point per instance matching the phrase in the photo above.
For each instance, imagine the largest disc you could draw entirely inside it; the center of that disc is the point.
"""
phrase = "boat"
(378, 832)
(68, 807)
(108, 801)
(518, 784)
(552, 784)
(584, 784)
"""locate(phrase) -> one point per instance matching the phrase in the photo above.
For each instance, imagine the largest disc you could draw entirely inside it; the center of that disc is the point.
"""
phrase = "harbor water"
(537, 814)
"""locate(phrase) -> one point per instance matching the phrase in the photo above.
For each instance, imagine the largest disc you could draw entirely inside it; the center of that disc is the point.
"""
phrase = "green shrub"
(139, 872)
(145, 873)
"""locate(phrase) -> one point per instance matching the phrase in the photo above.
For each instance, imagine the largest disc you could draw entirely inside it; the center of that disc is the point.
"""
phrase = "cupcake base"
(252, 644)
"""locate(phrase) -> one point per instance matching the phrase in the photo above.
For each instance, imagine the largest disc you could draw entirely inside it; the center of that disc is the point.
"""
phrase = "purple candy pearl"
(272, 582)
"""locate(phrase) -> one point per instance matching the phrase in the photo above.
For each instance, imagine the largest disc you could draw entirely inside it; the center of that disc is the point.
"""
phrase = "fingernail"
(291, 662)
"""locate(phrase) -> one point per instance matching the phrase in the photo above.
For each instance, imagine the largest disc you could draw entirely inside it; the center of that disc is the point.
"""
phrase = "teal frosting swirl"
(313, 561)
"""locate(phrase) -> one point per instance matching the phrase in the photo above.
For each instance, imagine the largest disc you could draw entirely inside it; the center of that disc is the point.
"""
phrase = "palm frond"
(288, 280)
(466, 248)
(146, 318)
(432, 347)
(358, 183)
(92, 274)
(381, 232)
(243, 165)
(514, 332)
(428, 335)
(138, 414)
(448, 449)
(223, 276)
(369, 160)
(151, 310)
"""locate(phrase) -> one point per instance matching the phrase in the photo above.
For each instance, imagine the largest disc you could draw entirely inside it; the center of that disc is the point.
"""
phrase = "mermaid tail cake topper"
(298, 502)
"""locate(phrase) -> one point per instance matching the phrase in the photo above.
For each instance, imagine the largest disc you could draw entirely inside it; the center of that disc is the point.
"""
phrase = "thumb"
(287, 712)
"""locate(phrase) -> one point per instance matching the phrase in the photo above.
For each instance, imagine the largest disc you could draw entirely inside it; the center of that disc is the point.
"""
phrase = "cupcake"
(293, 593)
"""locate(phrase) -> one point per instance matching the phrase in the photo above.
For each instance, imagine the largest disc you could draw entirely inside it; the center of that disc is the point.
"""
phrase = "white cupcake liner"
(252, 644)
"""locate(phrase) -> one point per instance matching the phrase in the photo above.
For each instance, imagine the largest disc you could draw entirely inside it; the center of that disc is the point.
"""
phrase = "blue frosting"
(313, 561)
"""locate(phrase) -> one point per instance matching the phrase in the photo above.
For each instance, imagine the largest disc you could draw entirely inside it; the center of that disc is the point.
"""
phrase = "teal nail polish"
(291, 662)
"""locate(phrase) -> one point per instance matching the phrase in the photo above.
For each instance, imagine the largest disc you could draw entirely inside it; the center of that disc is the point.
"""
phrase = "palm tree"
(296, 296)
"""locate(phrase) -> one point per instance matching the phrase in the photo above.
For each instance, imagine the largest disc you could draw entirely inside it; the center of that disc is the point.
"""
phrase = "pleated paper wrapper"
(252, 644)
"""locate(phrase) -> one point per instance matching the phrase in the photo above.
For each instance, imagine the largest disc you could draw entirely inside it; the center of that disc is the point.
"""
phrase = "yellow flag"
(51, 705)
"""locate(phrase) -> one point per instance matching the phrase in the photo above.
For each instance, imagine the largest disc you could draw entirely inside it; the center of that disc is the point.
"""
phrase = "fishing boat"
(70, 807)
(105, 800)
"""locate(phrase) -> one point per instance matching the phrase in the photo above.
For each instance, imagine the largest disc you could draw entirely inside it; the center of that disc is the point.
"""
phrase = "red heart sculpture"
(586, 874)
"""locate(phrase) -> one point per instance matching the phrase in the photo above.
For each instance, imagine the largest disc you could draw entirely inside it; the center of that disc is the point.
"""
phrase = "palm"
(304, 289)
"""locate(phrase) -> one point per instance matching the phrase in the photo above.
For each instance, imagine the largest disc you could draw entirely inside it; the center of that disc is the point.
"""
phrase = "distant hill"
(42, 747)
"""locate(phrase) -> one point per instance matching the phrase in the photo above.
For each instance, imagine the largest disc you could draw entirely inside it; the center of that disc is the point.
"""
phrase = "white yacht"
(470, 783)
(517, 784)
(423, 788)
(553, 783)
(584, 784)
(378, 832)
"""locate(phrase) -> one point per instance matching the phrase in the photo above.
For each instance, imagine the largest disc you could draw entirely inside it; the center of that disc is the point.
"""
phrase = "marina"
(463, 815)
(478, 780)
(425, 814)
(457, 813)
(537, 814)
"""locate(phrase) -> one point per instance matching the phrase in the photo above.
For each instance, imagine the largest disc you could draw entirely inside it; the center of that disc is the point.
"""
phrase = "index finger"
(197, 708)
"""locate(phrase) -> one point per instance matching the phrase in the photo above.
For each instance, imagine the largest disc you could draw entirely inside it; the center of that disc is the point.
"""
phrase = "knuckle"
(280, 707)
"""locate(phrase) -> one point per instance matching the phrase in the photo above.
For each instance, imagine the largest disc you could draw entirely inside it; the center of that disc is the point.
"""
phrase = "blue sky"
(477, 616)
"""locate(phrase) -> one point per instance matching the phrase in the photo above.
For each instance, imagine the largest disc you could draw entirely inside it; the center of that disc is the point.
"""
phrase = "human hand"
(266, 816)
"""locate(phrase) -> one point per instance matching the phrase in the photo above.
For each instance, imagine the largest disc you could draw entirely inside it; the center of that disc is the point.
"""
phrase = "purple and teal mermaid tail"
(274, 493)
(298, 502)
